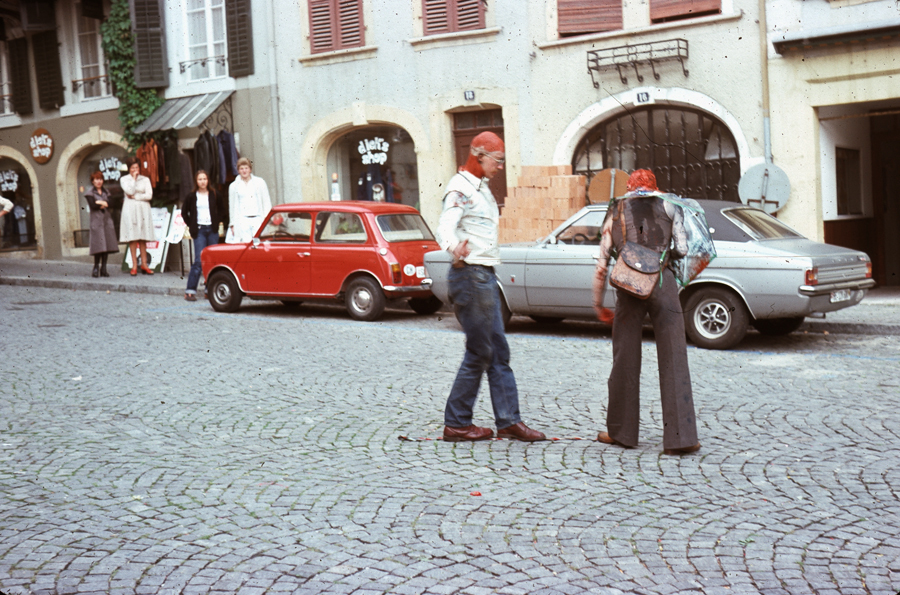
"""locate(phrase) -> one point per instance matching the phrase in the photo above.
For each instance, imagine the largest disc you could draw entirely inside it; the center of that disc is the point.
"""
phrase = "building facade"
(835, 115)
(209, 60)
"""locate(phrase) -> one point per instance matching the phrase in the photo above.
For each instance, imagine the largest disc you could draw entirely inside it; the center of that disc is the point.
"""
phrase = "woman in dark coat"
(201, 215)
(103, 232)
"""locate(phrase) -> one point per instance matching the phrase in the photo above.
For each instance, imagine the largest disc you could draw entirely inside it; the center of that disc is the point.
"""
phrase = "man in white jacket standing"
(248, 204)
(468, 229)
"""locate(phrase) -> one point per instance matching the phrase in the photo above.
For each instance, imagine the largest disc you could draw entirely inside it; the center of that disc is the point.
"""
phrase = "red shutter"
(469, 15)
(335, 24)
(663, 10)
(436, 16)
(576, 17)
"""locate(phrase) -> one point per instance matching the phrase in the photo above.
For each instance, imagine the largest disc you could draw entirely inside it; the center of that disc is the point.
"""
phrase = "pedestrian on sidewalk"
(654, 223)
(200, 213)
(468, 229)
(248, 203)
(136, 223)
(103, 231)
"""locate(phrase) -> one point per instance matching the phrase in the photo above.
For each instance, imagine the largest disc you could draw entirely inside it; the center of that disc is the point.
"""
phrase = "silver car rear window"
(759, 225)
(403, 228)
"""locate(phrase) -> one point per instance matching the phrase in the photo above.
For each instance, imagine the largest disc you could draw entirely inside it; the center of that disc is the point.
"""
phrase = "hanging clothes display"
(148, 159)
(229, 148)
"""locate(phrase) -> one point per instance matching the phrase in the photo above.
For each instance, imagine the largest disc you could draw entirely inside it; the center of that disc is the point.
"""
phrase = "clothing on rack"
(147, 156)
(229, 147)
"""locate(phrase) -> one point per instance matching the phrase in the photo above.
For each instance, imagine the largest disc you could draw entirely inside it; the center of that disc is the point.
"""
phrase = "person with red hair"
(657, 224)
(468, 229)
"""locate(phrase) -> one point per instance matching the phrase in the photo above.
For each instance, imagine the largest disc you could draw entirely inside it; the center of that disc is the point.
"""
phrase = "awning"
(183, 112)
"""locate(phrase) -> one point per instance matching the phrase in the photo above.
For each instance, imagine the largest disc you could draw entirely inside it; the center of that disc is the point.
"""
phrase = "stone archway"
(35, 197)
(67, 182)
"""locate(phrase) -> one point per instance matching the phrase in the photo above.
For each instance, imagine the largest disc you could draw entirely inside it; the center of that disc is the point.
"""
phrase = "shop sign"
(111, 168)
(41, 144)
(373, 151)
(9, 180)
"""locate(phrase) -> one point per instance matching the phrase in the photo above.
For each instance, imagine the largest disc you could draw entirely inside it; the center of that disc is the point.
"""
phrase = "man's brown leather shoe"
(467, 434)
(521, 432)
(607, 439)
(682, 451)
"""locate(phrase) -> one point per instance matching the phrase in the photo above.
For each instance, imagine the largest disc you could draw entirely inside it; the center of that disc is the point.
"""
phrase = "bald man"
(468, 230)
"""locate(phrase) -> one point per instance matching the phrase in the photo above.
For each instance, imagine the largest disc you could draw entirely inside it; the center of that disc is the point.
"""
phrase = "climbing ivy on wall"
(135, 105)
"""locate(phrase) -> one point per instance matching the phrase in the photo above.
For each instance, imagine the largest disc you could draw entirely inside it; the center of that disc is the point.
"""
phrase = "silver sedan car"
(766, 275)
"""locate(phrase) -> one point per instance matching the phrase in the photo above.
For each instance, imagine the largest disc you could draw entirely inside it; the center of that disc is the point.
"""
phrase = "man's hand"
(598, 286)
(461, 250)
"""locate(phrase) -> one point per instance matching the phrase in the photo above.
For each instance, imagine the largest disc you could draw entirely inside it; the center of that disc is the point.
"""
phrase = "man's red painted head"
(642, 179)
(486, 145)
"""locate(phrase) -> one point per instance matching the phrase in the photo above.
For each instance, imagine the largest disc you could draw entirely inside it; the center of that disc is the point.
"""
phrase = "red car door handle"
(302, 254)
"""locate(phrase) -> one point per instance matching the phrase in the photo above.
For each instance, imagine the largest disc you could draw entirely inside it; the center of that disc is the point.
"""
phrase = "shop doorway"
(17, 229)
(886, 198)
(374, 163)
(468, 125)
(691, 152)
(110, 161)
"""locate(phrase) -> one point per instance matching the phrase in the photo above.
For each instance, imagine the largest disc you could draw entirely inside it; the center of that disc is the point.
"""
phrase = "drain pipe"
(273, 97)
(764, 58)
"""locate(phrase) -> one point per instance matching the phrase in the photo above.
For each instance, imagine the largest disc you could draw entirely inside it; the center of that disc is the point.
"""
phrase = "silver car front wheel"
(715, 318)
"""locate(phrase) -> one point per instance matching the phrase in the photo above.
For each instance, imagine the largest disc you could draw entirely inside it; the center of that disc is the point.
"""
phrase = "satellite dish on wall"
(607, 184)
(765, 186)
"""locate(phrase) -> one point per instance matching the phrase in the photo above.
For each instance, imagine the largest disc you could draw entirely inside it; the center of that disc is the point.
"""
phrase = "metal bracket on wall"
(636, 55)
(221, 118)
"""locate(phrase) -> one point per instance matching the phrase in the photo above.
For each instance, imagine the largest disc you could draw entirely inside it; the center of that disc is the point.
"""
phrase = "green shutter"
(148, 25)
(47, 70)
(19, 76)
(240, 37)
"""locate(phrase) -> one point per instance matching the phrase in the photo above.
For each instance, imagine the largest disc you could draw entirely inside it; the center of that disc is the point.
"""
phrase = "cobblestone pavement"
(149, 445)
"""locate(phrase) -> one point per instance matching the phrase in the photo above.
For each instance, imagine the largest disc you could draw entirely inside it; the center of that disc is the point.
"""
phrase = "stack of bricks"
(544, 198)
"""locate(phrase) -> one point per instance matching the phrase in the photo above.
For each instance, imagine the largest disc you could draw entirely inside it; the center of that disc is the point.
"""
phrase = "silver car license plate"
(841, 295)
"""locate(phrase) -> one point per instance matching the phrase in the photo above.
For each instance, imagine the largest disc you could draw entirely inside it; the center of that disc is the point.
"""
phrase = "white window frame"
(78, 81)
(211, 55)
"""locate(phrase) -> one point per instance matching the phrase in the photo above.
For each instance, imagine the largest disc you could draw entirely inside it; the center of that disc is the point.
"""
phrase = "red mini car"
(365, 253)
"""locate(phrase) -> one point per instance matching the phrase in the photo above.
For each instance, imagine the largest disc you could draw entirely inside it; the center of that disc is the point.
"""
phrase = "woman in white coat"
(136, 223)
(248, 204)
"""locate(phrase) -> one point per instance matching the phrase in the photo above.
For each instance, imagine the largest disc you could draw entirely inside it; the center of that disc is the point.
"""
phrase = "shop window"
(151, 66)
(466, 126)
(90, 80)
(374, 163)
(849, 182)
(335, 25)
(690, 152)
(449, 16)
(17, 227)
(673, 10)
(108, 160)
(205, 39)
(6, 104)
(578, 17)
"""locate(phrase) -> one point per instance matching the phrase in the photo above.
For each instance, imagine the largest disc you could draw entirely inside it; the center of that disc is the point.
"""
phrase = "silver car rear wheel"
(715, 318)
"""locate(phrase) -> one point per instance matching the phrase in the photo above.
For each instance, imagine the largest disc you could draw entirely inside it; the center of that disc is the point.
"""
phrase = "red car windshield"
(405, 227)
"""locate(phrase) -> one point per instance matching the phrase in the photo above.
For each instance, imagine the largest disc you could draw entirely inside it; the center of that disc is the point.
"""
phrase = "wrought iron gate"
(691, 153)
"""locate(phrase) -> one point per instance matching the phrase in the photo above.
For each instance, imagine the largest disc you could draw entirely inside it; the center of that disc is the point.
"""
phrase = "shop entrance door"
(886, 197)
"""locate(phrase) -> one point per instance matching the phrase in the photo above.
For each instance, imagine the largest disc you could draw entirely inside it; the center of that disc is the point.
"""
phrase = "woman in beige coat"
(136, 224)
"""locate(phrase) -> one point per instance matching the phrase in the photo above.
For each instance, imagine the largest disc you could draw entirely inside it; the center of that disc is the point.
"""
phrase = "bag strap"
(621, 206)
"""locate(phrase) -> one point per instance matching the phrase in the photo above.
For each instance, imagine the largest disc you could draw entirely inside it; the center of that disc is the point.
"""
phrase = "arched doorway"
(692, 153)
(376, 162)
(18, 229)
(108, 159)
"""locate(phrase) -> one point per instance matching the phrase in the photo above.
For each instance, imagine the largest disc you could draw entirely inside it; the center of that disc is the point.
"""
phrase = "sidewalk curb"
(850, 328)
(91, 286)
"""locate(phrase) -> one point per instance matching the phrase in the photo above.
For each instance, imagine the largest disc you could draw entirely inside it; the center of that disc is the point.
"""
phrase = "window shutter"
(662, 10)
(38, 15)
(92, 9)
(577, 17)
(47, 69)
(335, 25)
(19, 76)
(151, 66)
(240, 37)
(437, 16)
(469, 14)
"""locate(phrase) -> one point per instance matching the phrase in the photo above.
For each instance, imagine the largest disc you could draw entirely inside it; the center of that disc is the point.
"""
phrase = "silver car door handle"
(302, 254)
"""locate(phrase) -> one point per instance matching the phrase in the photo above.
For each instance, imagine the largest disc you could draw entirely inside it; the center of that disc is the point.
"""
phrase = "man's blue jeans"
(476, 299)
(206, 236)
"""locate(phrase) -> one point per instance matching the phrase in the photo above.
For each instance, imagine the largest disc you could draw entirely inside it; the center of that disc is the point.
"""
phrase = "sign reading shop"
(41, 144)
(373, 151)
